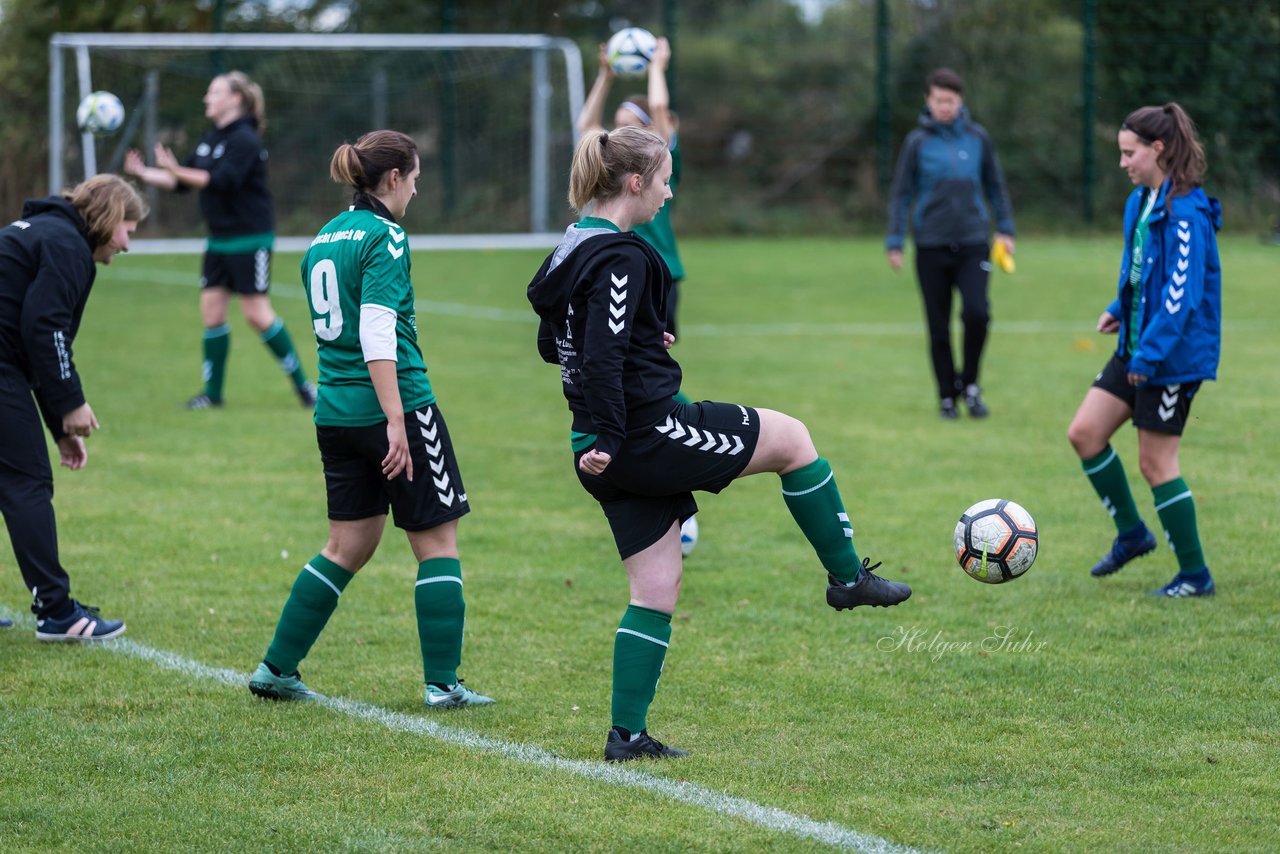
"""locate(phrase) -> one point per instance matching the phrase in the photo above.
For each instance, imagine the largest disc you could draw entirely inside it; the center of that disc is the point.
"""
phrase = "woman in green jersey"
(382, 439)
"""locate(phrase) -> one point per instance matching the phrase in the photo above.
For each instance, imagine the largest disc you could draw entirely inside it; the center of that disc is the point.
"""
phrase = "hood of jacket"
(59, 206)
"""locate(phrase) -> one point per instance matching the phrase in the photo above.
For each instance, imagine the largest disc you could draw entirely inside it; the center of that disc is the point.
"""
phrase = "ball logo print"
(630, 50)
(996, 541)
(100, 113)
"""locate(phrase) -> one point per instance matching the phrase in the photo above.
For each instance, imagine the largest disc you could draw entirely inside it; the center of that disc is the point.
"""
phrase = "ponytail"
(1183, 158)
(603, 160)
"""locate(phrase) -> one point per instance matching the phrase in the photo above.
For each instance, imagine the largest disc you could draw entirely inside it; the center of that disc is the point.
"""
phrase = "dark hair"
(363, 165)
(944, 78)
(103, 202)
(604, 159)
(1183, 156)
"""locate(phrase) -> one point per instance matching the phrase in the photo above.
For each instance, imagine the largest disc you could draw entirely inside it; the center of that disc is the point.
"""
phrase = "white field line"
(289, 290)
(770, 818)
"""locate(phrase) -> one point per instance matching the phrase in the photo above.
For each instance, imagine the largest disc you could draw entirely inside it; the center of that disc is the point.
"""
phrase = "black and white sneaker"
(620, 748)
(869, 589)
(83, 624)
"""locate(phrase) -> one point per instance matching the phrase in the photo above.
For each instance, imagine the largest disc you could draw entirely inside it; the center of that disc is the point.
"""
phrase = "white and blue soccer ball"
(100, 113)
(996, 541)
(688, 536)
(629, 51)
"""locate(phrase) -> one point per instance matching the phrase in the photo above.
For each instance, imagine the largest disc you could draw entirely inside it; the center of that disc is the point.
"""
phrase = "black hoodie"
(46, 272)
(602, 297)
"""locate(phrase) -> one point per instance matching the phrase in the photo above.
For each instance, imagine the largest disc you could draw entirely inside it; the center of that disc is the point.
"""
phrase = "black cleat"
(869, 589)
(619, 749)
(947, 409)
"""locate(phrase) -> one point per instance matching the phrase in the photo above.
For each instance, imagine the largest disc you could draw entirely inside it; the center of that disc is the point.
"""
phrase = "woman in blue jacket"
(1169, 321)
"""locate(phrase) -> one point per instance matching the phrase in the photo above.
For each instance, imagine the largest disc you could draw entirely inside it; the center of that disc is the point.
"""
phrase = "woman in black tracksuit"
(602, 299)
(229, 168)
(46, 271)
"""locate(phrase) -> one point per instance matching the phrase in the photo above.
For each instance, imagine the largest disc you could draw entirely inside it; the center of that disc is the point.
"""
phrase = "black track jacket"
(46, 272)
(602, 298)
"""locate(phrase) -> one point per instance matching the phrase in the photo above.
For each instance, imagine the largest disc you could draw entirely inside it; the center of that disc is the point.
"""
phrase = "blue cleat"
(455, 697)
(1187, 584)
(266, 684)
(1133, 543)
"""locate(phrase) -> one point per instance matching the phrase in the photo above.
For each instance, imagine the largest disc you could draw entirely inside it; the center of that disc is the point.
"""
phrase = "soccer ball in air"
(630, 50)
(996, 541)
(100, 113)
(688, 536)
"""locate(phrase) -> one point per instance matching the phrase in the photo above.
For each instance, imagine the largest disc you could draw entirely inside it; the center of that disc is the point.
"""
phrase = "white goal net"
(493, 117)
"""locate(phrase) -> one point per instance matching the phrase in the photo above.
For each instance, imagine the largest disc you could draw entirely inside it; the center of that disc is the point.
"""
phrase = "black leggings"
(965, 268)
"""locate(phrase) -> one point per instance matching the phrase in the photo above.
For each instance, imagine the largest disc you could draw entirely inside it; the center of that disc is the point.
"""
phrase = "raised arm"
(659, 96)
(593, 108)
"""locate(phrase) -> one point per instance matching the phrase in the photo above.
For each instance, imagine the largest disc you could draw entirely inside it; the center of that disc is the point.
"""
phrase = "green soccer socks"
(1106, 473)
(1177, 510)
(814, 501)
(639, 649)
(310, 604)
(437, 597)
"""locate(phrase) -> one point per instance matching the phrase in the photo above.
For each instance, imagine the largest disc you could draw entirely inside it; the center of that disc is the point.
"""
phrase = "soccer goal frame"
(544, 185)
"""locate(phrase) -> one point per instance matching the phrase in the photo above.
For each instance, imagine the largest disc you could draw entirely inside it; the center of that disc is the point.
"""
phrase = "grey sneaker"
(264, 683)
(456, 697)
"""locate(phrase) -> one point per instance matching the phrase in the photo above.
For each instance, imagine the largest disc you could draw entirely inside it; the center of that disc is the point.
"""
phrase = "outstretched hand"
(606, 69)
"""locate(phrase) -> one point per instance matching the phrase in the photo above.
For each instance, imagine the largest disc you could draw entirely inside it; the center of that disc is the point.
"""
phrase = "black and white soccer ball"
(996, 541)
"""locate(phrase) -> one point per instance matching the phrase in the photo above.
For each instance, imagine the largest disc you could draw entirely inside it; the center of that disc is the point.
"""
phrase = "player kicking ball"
(601, 297)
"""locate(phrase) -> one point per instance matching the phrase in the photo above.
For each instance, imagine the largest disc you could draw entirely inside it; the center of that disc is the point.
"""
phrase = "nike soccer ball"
(100, 113)
(996, 541)
(630, 50)
(688, 536)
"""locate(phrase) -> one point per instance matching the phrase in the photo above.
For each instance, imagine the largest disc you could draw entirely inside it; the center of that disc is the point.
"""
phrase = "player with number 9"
(382, 438)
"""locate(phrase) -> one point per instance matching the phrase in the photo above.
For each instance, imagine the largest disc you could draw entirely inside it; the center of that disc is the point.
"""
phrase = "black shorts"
(1161, 408)
(358, 489)
(649, 485)
(247, 273)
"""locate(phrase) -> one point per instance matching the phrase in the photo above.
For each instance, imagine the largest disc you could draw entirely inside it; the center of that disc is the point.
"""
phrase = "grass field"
(1106, 720)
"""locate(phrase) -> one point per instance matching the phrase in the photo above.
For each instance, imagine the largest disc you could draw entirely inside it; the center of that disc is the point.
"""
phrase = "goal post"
(493, 117)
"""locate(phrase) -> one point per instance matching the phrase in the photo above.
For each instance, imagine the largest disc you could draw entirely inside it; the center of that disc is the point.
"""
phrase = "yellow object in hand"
(1000, 255)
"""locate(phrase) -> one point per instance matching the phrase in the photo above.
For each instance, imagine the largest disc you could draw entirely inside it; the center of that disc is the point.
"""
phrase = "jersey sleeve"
(385, 267)
(618, 285)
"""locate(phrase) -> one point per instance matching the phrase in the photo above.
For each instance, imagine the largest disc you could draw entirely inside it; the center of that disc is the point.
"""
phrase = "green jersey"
(658, 232)
(1140, 234)
(361, 259)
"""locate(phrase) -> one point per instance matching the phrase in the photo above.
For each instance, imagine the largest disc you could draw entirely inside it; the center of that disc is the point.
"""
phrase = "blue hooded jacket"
(1181, 289)
(944, 171)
